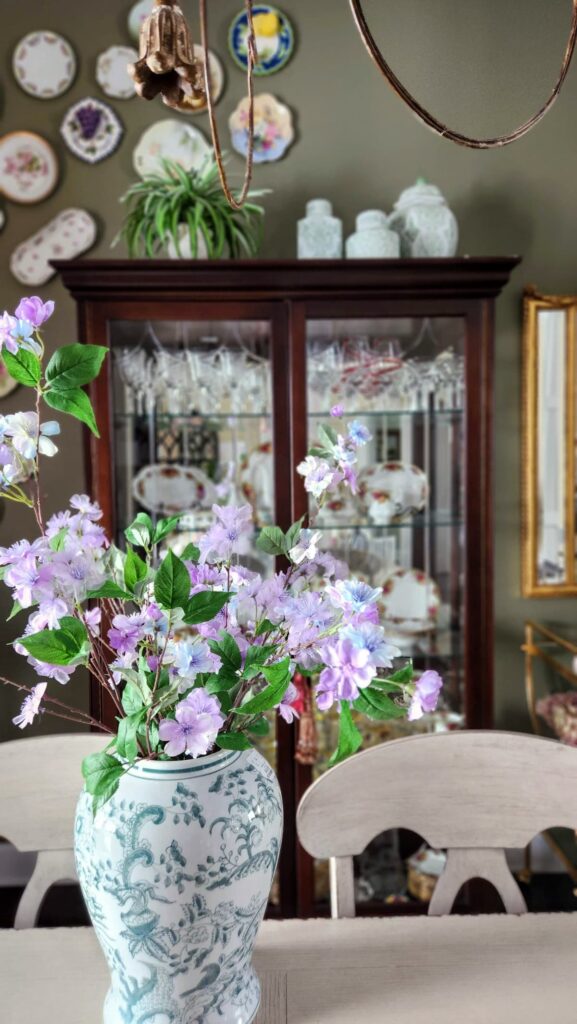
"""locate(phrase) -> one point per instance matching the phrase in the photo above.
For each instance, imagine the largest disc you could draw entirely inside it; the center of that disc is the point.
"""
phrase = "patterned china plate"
(138, 14)
(70, 233)
(91, 130)
(410, 603)
(188, 105)
(170, 489)
(111, 73)
(28, 167)
(44, 64)
(172, 140)
(274, 39)
(273, 128)
(403, 487)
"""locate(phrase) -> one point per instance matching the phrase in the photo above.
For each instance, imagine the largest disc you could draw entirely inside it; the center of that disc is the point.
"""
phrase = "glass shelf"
(417, 522)
(192, 418)
(379, 413)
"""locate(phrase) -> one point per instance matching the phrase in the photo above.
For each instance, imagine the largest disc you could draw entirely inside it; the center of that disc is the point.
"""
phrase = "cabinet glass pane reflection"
(403, 531)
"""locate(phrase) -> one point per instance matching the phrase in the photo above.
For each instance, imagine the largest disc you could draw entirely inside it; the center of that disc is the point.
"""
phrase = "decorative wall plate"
(273, 128)
(188, 105)
(72, 232)
(7, 383)
(410, 602)
(111, 73)
(398, 485)
(172, 140)
(44, 64)
(274, 39)
(91, 130)
(138, 13)
(172, 488)
(28, 167)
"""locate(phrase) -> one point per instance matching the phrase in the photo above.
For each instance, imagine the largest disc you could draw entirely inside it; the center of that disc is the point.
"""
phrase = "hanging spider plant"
(185, 212)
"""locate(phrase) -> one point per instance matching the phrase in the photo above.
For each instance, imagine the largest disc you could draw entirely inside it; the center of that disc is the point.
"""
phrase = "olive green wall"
(485, 66)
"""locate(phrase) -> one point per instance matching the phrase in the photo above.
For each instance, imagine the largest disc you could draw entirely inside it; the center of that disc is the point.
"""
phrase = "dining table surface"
(491, 969)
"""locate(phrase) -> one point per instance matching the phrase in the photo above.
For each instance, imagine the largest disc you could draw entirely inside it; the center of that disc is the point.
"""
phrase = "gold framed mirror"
(549, 548)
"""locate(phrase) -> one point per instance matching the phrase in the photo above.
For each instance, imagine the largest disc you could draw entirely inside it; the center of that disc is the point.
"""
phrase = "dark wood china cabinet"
(220, 373)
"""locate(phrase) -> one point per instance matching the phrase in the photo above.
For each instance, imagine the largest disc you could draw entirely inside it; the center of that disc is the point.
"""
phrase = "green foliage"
(350, 738)
(131, 699)
(203, 607)
(24, 367)
(140, 531)
(191, 553)
(63, 646)
(375, 704)
(75, 402)
(271, 540)
(102, 773)
(161, 203)
(255, 658)
(172, 583)
(135, 570)
(73, 366)
(228, 652)
(109, 590)
(233, 741)
(403, 676)
(260, 726)
(126, 740)
(164, 527)
(278, 678)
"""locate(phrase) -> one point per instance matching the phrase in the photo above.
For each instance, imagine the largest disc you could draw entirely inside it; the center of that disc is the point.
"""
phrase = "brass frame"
(533, 301)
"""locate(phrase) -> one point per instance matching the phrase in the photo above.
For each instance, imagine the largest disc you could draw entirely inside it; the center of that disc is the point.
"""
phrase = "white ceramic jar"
(373, 239)
(425, 224)
(320, 234)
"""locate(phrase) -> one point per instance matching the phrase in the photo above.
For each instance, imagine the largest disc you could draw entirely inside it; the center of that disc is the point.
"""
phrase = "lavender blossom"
(355, 597)
(348, 670)
(8, 325)
(223, 539)
(28, 438)
(34, 310)
(285, 709)
(30, 707)
(306, 547)
(126, 632)
(318, 475)
(189, 658)
(22, 336)
(371, 638)
(359, 434)
(195, 727)
(426, 695)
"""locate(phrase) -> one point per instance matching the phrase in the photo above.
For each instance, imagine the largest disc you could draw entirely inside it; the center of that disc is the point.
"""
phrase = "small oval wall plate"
(28, 167)
(274, 39)
(172, 489)
(69, 234)
(92, 130)
(111, 72)
(172, 140)
(273, 128)
(44, 64)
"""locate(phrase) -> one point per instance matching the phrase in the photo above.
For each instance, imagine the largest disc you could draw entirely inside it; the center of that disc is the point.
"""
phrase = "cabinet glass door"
(404, 530)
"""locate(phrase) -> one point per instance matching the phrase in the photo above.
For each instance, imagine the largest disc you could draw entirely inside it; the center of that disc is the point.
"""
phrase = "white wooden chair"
(40, 781)
(475, 794)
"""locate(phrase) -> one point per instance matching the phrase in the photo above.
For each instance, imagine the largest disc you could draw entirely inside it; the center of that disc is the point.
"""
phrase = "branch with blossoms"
(194, 651)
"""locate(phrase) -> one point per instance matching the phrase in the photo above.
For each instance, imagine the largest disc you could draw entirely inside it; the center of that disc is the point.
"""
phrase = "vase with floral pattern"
(425, 224)
(372, 239)
(176, 869)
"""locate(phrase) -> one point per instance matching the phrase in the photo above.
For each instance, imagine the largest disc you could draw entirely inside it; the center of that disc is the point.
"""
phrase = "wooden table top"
(494, 969)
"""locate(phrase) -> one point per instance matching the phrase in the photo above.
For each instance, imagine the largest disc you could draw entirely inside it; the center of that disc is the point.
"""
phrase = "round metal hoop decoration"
(433, 122)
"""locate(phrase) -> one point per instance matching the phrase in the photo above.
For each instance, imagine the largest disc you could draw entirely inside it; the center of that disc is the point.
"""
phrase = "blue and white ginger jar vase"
(176, 870)
(425, 224)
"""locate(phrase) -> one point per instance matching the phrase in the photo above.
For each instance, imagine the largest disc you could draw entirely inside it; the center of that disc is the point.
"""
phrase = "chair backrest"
(40, 781)
(472, 793)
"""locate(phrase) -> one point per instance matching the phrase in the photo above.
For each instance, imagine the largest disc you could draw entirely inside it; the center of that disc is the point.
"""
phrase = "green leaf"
(102, 774)
(377, 705)
(350, 738)
(140, 531)
(172, 583)
(135, 570)
(278, 677)
(109, 590)
(24, 367)
(203, 607)
(233, 741)
(255, 658)
(58, 540)
(61, 646)
(266, 626)
(228, 651)
(126, 742)
(403, 676)
(164, 527)
(76, 403)
(73, 366)
(131, 699)
(16, 607)
(191, 553)
(260, 727)
(327, 436)
(292, 534)
(271, 539)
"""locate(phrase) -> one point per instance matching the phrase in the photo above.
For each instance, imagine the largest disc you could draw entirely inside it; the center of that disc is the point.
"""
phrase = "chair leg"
(51, 866)
(463, 865)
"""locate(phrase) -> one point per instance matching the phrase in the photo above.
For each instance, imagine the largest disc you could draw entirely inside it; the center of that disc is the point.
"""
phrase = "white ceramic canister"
(425, 224)
(320, 234)
(373, 239)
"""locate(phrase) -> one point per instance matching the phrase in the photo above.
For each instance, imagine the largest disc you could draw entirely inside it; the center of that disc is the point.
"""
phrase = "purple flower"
(92, 619)
(88, 508)
(190, 658)
(337, 411)
(233, 524)
(34, 310)
(285, 709)
(29, 581)
(7, 327)
(127, 631)
(22, 336)
(426, 695)
(49, 613)
(318, 475)
(195, 726)
(28, 438)
(306, 548)
(372, 639)
(358, 433)
(353, 596)
(348, 670)
(30, 707)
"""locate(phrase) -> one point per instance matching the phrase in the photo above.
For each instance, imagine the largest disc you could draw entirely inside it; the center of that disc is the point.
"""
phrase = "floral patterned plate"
(170, 489)
(401, 487)
(188, 105)
(172, 140)
(138, 14)
(70, 233)
(274, 39)
(111, 72)
(410, 603)
(91, 130)
(28, 167)
(44, 64)
(273, 128)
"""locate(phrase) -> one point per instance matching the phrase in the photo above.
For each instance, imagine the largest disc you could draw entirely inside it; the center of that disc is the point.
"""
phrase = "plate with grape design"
(92, 130)
(28, 167)
(274, 38)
